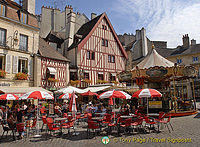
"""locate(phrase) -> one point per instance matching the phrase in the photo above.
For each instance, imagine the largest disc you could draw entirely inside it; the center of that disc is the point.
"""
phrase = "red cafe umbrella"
(147, 93)
(114, 94)
(37, 95)
(89, 93)
(9, 97)
(66, 96)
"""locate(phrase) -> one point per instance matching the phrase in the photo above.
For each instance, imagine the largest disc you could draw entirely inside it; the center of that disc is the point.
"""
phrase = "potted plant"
(21, 76)
(115, 82)
(2, 74)
(99, 81)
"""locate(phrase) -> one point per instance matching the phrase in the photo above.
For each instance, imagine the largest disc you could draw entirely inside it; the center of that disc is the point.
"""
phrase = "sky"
(164, 20)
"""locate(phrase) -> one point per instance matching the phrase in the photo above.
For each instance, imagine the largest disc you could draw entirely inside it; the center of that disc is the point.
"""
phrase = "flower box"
(2, 74)
(74, 83)
(87, 81)
(21, 76)
(52, 80)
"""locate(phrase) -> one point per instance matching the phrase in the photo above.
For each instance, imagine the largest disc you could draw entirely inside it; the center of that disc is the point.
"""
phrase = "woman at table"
(11, 122)
(64, 107)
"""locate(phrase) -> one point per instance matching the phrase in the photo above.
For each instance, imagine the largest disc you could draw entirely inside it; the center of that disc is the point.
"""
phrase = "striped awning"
(52, 70)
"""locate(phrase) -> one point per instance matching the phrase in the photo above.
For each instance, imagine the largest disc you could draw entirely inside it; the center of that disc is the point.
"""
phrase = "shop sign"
(5, 84)
(155, 104)
(156, 72)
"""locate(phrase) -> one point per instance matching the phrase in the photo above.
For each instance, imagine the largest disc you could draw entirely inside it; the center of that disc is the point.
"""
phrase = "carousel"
(175, 82)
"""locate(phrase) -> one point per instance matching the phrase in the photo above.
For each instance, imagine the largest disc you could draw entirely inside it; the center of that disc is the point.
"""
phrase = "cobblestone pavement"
(184, 127)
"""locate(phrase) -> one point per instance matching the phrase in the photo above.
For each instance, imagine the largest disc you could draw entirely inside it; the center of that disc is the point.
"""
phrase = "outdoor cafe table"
(60, 121)
(98, 120)
(153, 114)
(101, 114)
(126, 116)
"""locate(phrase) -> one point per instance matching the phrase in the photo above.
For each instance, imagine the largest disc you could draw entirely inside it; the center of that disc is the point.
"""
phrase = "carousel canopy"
(152, 60)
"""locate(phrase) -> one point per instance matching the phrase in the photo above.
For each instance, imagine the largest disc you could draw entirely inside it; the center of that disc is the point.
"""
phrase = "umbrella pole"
(147, 106)
(37, 129)
(114, 110)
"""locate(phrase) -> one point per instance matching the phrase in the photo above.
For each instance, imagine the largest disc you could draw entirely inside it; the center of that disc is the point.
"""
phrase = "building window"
(100, 77)
(104, 42)
(112, 78)
(2, 10)
(195, 59)
(90, 55)
(179, 61)
(2, 37)
(104, 27)
(2, 62)
(24, 18)
(23, 44)
(111, 59)
(23, 66)
(86, 76)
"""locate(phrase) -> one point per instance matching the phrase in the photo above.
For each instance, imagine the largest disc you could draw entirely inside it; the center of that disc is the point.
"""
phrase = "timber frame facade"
(97, 52)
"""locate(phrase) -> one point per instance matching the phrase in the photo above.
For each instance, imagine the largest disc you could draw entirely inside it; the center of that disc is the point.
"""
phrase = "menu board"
(51, 109)
(155, 104)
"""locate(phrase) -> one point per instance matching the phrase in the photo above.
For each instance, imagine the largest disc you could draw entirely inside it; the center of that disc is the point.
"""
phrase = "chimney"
(29, 5)
(186, 41)
(70, 27)
(144, 42)
(138, 34)
(193, 42)
(93, 15)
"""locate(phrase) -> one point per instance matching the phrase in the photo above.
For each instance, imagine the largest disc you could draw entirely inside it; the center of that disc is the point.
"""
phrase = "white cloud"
(164, 20)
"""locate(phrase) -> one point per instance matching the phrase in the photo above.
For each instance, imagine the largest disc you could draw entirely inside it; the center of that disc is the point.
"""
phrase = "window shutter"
(30, 67)
(8, 63)
(15, 64)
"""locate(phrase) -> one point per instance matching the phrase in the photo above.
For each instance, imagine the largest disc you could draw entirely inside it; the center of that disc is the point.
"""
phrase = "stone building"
(66, 22)
(19, 36)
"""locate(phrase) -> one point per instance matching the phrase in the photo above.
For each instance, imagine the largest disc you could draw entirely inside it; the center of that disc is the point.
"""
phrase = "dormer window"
(23, 18)
(2, 10)
(179, 61)
(195, 59)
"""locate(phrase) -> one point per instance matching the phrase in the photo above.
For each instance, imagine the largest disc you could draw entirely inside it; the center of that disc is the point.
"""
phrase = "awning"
(113, 74)
(101, 73)
(96, 89)
(21, 90)
(70, 89)
(52, 70)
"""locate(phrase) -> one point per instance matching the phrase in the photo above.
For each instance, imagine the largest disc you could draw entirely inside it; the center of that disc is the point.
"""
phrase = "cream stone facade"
(18, 46)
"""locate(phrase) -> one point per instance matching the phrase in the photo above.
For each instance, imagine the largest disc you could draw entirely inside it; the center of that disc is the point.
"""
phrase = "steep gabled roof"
(84, 31)
(88, 28)
(46, 50)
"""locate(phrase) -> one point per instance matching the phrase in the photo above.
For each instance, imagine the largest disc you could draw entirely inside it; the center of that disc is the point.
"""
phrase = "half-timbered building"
(54, 67)
(96, 52)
